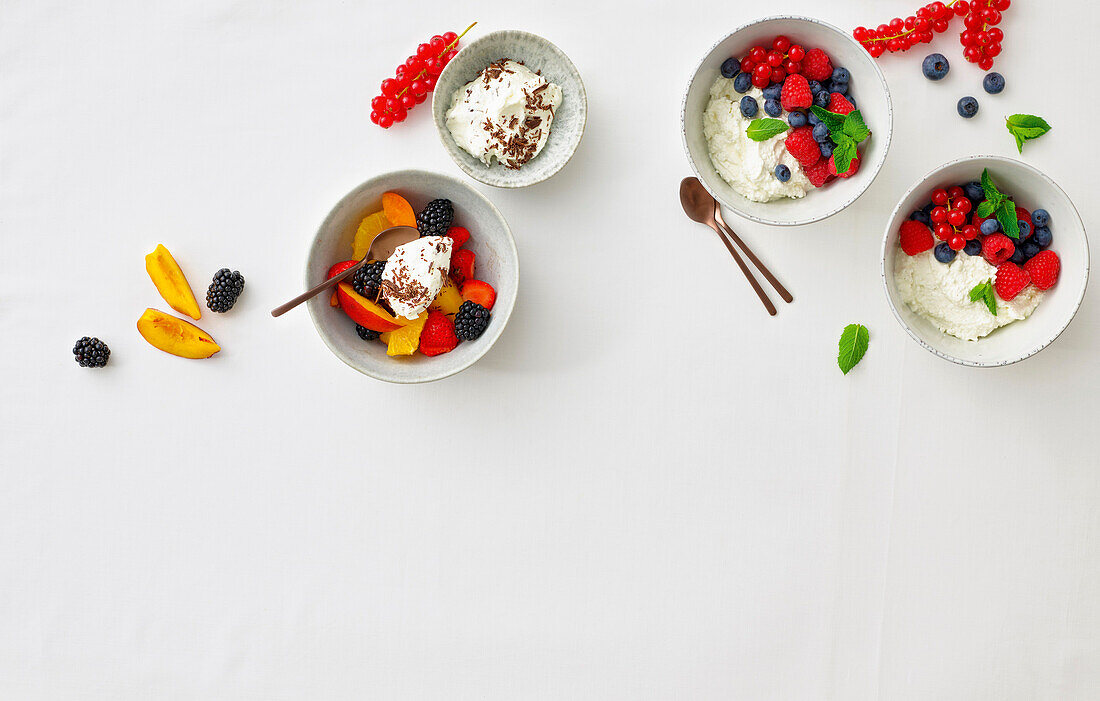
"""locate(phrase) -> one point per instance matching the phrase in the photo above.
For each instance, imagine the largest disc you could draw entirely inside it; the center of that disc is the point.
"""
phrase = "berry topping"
(367, 334)
(796, 93)
(480, 292)
(459, 235)
(944, 253)
(462, 266)
(91, 352)
(742, 82)
(935, 66)
(224, 290)
(471, 321)
(1040, 217)
(782, 173)
(915, 237)
(1042, 237)
(368, 279)
(1043, 269)
(839, 104)
(749, 106)
(438, 335)
(818, 174)
(816, 65)
(436, 218)
(1011, 281)
(796, 119)
(997, 248)
(730, 67)
(853, 168)
(973, 247)
(800, 144)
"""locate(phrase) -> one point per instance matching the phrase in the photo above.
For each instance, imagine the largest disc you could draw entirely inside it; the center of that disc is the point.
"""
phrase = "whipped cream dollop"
(414, 274)
(504, 113)
(940, 292)
(747, 165)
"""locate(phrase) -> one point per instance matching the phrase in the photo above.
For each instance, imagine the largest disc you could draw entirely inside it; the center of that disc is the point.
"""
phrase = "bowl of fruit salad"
(985, 261)
(433, 306)
(787, 120)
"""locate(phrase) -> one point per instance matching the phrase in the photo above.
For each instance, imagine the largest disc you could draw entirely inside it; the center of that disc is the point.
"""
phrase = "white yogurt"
(747, 165)
(940, 292)
(414, 274)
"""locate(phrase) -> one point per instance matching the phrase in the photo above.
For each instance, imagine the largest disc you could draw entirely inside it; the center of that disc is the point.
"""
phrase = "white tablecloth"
(634, 495)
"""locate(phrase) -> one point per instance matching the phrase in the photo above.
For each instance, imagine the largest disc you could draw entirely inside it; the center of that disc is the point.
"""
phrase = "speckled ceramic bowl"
(539, 55)
(497, 262)
(868, 87)
(1031, 189)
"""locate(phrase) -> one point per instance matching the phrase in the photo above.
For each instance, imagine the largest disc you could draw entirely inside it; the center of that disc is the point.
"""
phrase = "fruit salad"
(426, 297)
(781, 121)
(971, 260)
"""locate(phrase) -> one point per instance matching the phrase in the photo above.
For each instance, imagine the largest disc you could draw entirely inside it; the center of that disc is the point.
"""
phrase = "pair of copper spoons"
(701, 206)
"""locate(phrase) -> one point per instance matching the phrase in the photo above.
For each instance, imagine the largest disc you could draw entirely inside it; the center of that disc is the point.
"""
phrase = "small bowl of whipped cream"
(510, 108)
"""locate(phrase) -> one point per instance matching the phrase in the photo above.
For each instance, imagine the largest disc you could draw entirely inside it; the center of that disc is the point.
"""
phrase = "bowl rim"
(500, 314)
(1013, 162)
(777, 222)
(447, 141)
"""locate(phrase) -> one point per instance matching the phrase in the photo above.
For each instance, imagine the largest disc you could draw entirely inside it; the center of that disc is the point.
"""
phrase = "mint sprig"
(1026, 127)
(765, 128)
(853, 345)
(983, 291)
(846, 131)
(999, 205)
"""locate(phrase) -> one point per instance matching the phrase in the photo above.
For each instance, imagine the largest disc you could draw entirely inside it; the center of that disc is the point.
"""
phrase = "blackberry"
(366, 334)
(471, 321)
(436, 218)
(224, 290)
(368, 279)
(91, 352)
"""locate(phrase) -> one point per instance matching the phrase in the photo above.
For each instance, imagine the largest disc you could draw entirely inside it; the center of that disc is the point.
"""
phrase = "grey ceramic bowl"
(868, 86)
(497, 263)
(539, 55)
(1031, 189)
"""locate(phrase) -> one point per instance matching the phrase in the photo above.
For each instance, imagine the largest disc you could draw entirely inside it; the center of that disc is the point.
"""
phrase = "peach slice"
(170, 282)
(371, 226)
(175, 336)
(448, 300)
(365, 312)
(405, 340)
(398, 210)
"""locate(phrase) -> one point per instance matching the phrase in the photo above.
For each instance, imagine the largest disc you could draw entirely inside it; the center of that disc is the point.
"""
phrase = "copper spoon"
(699, 206)
(381, 248)
(751, 256)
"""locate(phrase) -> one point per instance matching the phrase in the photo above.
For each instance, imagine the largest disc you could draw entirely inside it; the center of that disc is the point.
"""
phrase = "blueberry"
(748, 106)
(796, 119)
(821, 99)
(772, 108)
(742, 82)
(821, 132)
(815, 87)
(993, 83)
(841, 75)
(968, 107)
(974, 192)
(1040, 217)
(782, 173)
(990, 226)
(813, 119)
(927, 209)
(730, 67)
(826, 148)
(1030, 248)
(935, 66)
(973, 247)
(1018, 256)
(943, 252)
(852, 100)
(1025, 229)
(1042, 236)
(773, 91)
(841, 88)
(921, 216)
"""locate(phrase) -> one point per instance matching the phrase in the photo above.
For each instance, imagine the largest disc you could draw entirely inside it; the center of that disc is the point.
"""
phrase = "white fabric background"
(648, 489)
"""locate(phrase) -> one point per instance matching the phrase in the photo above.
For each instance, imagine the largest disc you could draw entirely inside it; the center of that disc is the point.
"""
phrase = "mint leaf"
(834, 121)
(855, 127)
(991, 192)
(844, 153)
(983, 291)
(1006, 214)
(764, 129)
(853, 344)
(1026, 127)
(986, 208)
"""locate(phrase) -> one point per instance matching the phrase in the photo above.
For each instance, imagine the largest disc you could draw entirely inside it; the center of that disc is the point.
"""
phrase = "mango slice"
(398, 210)
(405, 340)
(448, 300)
(371, 226)
(170, 282)
(175, 336)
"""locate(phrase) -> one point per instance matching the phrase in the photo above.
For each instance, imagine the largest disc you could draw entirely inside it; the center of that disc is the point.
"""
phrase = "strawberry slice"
(480, 292)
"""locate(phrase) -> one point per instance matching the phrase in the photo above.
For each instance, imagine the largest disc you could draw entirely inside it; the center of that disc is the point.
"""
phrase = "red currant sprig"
(981, 39)
(950, 216)
(414, 79)
(935, 18)
(768, 66)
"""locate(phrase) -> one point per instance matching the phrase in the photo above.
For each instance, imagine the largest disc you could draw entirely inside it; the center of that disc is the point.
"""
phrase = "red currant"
(860, 34)
(961, 7)
(956, 218)
(414, 64)
(385, 121)
(944, 231)
(424, 51)
(758, 54)
(778, 75)
(378, 104)
(437, 44)
(938, 10)
(434, 66)
(896, 24)
(793, 67)
(392, 105)
(1002, 5)
(781, 44)
(893, 45)
(399, 115)
(408, 101)
(962, 204)
(389, 87)
(939, 25)
(747, 64)
(985, 63)
(429, 80)
(762, 71)
(418, 87)
(955, 192)
(991, 16)
(993, 49)
(796, 52)
(374, 115)
(762, 82)
(995, 35)
(876, 50)
(957, 242)
(774, 58)
(970, 232)
(939, 196)
(938, 215)
(449, 56)
(973, 21)
(421, 97)
(972, 54)
(967, 37)
(450, 38)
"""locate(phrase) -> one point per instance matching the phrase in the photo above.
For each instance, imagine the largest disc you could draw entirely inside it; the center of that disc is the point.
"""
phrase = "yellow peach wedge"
(170, 282)
(405, 340)
(448, 300)
(175, 336)
(371, 226)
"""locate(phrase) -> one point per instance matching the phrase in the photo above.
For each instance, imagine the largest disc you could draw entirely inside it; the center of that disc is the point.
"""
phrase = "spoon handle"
(313, 292)
(745, 269)
(756, 261)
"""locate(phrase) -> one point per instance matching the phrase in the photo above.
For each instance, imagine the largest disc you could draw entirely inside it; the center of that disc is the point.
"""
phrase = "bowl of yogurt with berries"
(787, 120)
(985, 261)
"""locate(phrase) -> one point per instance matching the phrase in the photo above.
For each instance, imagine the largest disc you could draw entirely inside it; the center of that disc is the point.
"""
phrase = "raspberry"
(1011, 281)
(818, 174)
(816, 65)
(796, 93)
(997, 248)
(1043, 268)
(800, 144)
(839, 104)
(915, 237)
(438, 335)
(852, 168)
